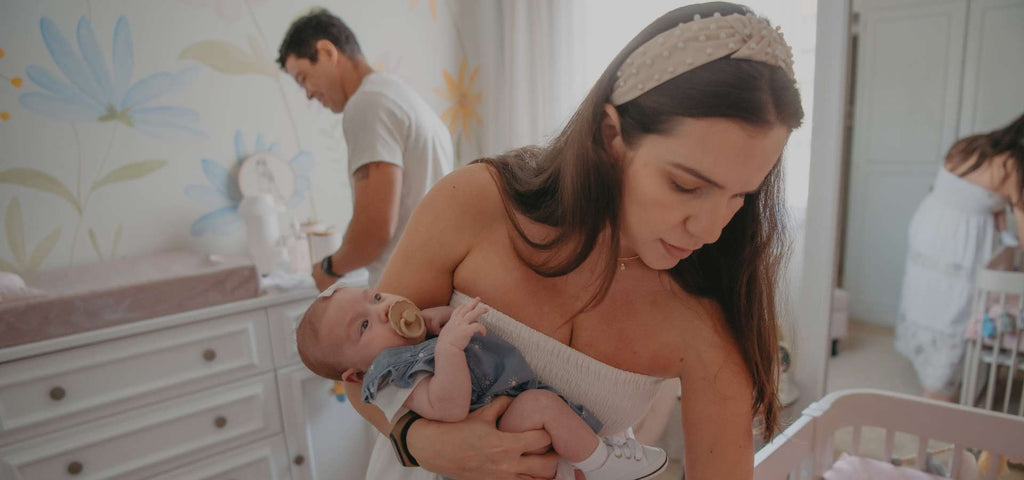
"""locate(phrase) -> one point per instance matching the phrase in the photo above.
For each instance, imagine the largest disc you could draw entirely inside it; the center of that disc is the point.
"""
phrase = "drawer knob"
(75, 468)
(220, 422)
(299, 460)
(57, 394)
(209, 354)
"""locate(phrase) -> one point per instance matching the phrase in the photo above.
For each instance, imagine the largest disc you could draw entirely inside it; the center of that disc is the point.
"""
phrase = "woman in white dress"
(951, 236)
(642, 244)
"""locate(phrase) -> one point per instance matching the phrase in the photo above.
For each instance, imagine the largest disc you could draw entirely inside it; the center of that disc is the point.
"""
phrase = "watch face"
(265, 172)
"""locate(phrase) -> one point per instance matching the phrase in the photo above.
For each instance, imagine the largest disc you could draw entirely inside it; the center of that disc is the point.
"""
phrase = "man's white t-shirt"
(386, 121)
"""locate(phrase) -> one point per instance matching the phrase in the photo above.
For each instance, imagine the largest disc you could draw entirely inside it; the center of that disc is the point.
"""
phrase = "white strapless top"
(618, 398)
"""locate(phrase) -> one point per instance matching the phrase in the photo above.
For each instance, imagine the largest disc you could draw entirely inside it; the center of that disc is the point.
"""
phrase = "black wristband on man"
(327, 266)
(398, 438)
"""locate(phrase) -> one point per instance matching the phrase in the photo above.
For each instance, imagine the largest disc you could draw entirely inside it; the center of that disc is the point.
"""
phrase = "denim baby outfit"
(496, 368)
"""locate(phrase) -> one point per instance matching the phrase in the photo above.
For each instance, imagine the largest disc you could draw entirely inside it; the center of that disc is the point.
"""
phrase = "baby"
(380, 340)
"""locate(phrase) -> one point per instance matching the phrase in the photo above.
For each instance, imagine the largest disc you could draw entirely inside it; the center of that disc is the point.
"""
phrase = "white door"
(326, 438)
(907, 97)
(994, 65)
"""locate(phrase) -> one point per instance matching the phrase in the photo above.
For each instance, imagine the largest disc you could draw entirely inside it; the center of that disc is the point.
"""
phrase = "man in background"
(397, 146)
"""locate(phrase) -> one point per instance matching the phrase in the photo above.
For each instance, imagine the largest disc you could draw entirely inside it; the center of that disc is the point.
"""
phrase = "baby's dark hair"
(309, 343)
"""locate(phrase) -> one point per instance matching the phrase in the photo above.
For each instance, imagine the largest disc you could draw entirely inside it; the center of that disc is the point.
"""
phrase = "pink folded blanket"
(849, 467)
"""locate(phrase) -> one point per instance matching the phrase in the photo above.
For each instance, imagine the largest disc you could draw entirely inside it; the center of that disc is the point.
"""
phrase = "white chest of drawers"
(215, 393)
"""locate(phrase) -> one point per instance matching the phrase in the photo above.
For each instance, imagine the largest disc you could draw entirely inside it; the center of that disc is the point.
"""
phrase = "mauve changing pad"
(89, 297)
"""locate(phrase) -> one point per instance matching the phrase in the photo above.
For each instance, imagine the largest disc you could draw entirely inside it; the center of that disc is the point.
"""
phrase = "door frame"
(822, 225)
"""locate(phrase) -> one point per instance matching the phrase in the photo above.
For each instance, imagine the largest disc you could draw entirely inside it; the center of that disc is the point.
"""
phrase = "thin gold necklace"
(623, 260)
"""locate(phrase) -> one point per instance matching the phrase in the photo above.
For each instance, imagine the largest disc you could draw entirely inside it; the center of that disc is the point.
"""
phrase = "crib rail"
(999, 289)
(806, 450)
(788, 454)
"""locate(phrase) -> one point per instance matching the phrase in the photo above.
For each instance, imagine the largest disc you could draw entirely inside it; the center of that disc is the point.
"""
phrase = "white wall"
(148, 210)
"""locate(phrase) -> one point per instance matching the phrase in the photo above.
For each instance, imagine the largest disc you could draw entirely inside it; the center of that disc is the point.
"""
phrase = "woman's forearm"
(1018, 217)
(474, 448)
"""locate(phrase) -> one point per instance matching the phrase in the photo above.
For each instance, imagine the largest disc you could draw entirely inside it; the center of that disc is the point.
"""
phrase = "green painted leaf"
(95, 244)
(227, 58)
(117, 239)
(15, 231)
(43, 249)
(131, 171)
(7, 267)
(32, 178)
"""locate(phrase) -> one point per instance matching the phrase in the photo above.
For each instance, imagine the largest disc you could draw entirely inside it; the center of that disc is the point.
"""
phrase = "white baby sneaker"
(629, 460)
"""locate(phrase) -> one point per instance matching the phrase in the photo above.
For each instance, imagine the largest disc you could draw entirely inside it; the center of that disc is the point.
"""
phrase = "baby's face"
(356, 323)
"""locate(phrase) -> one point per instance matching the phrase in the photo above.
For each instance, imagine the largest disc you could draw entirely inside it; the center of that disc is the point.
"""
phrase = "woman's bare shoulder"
(453, 218)
(469, 192)
(707, 343)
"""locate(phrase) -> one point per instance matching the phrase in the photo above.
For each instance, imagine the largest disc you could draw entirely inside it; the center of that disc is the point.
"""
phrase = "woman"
(642, 244)
(951, 235)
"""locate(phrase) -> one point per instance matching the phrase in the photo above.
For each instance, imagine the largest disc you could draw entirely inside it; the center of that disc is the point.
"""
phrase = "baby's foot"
(629, 460)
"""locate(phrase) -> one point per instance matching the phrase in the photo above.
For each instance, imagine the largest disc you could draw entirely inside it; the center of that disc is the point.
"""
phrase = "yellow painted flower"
(5, 115)
(464, 100)
(16, 81)
(2, 53)
(433, 7)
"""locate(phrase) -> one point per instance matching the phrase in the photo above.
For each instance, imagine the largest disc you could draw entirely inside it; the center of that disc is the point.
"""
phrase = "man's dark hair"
(319, 24)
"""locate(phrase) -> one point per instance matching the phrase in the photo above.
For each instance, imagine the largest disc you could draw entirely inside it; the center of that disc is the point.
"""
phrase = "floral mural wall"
(123, 123)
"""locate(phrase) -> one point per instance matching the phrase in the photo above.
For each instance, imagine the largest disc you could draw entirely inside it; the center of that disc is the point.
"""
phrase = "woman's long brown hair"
(575, 186)
(979, 149)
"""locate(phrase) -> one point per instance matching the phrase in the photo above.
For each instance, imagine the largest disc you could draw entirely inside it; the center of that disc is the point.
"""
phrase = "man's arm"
(377, 193)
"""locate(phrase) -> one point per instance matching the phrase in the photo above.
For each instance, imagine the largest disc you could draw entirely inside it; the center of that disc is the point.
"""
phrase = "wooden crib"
(807, 449)
(993, 340)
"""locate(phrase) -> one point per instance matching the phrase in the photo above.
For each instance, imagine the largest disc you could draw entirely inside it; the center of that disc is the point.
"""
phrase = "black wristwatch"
(327, 266)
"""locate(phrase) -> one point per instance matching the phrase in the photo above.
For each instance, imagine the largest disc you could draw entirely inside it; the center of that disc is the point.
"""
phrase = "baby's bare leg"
(571, 438)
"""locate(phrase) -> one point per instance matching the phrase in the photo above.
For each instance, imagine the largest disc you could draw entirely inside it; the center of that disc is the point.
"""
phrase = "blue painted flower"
(223, 195)
(96, 95)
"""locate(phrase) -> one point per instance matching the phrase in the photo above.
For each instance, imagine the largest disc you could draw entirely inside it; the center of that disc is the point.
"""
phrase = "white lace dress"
(951, 235)
(617, 397)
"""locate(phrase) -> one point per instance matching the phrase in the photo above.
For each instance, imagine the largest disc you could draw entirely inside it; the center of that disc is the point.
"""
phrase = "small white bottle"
(262, 230)
(299, 261)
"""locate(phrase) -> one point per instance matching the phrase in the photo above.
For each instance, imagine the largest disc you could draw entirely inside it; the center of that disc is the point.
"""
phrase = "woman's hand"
(474, 448)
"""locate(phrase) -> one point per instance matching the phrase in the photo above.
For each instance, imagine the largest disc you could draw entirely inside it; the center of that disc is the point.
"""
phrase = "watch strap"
(327, 266)
(398, 438)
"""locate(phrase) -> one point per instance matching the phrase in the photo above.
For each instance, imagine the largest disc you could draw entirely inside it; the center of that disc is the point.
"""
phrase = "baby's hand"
(463, 325)
(436, 318)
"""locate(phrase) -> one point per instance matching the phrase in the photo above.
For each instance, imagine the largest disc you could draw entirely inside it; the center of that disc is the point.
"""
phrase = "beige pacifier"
(406, 319)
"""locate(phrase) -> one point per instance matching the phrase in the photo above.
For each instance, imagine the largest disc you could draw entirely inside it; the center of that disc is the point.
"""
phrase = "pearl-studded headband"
(695, 43)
